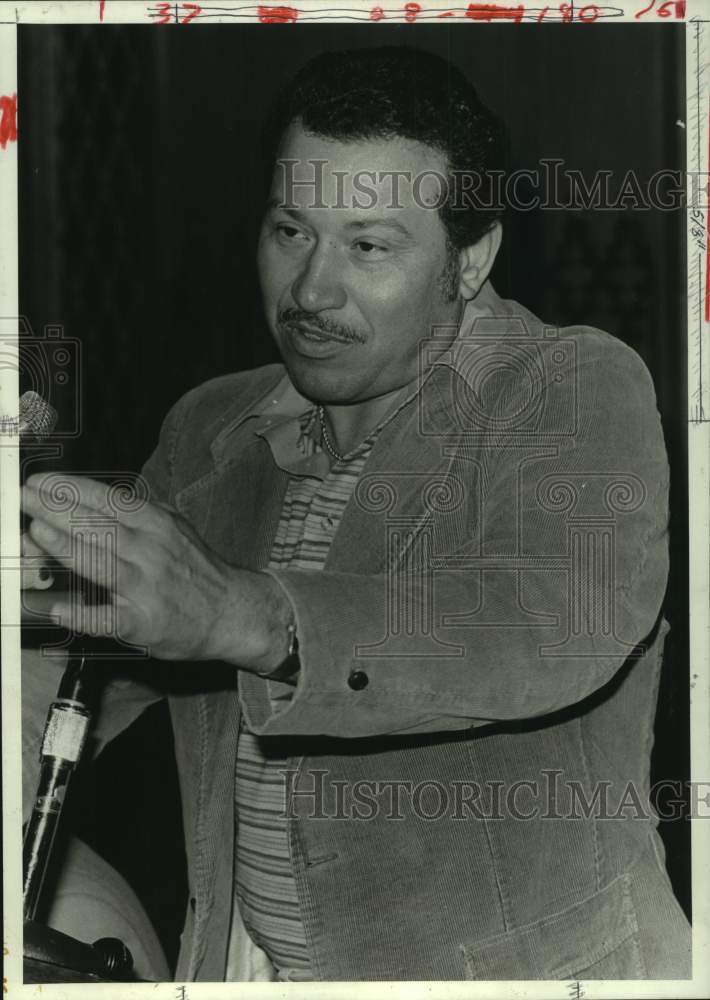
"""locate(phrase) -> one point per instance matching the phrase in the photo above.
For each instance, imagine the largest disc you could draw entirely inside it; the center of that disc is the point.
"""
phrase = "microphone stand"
(50, 956)
(64, 738)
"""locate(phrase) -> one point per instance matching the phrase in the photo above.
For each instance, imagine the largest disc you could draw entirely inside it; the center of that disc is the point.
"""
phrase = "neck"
(349, 424)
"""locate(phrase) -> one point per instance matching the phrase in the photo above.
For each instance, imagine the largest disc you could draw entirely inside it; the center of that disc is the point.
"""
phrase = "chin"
(320, 386)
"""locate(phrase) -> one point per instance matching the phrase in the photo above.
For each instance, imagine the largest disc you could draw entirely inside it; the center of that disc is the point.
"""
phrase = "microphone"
(37, 417)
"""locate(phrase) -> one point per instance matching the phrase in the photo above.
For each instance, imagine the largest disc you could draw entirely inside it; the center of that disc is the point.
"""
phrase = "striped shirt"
(265, 885)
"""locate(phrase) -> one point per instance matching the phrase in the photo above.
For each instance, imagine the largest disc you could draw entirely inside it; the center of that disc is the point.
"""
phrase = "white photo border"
(695, 15)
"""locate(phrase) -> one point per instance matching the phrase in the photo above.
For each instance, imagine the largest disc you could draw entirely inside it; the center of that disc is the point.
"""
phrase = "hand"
(168, 591)
(35, 574)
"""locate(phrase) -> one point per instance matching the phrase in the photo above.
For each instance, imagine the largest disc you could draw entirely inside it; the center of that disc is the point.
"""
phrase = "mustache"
(292, 316)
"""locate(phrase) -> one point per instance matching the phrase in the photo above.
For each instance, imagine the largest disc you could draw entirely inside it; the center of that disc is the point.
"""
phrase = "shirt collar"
(286, 420)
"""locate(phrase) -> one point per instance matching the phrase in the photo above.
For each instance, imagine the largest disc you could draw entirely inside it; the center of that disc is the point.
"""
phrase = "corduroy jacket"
(470, 735)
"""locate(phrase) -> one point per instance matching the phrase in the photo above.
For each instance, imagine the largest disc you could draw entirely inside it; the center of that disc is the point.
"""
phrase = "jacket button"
(193, 903)
(358, 680)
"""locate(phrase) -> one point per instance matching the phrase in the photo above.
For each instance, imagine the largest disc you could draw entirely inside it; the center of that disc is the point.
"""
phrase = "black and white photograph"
(354, 596)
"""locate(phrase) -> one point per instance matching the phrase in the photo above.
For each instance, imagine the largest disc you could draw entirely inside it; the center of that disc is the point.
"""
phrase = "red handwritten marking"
(567, 12)
(165, 12)
(671, 8)
(492, 12)
(410, 12)
(541, 15)
(588, 14)
(277, 15)
(193, 8)
(446, 13)
(376, 14)
(707, 248)
(102, 7)
(8, 120)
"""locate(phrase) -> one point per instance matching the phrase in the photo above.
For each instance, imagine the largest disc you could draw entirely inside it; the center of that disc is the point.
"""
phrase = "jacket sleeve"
(595, 517)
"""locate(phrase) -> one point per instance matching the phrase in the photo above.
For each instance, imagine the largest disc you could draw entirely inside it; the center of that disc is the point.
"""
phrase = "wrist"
(287, 671)
(254, 628)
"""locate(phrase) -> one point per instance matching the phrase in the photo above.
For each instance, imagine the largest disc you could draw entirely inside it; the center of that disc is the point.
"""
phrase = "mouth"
(316, 334)
(313, 343)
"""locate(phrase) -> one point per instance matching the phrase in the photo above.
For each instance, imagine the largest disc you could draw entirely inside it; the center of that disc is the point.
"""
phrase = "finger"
(96, 620)
(101, 556)
(35, 573)
(51, 539)
(60, 534)
(42, 507)
(36, 508)
(56, 496)
(167, 508)
(60, 508)
(36, 606)
(45, 606)
(60, 489)
(67, 610)
(29, 548)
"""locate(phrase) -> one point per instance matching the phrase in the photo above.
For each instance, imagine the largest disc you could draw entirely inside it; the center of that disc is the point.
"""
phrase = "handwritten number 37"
(167, 12)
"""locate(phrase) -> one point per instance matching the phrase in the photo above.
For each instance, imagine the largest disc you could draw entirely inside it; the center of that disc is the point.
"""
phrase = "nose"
(318, 285)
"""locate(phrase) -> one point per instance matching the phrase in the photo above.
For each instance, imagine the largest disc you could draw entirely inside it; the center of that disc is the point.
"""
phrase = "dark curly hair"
(404, 92)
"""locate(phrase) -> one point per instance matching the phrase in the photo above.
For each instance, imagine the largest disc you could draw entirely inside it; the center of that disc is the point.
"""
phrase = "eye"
(289, 233)
(368, 249)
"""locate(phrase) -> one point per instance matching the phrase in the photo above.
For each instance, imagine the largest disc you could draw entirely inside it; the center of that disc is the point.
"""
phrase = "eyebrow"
(383, 221)
(357, 224)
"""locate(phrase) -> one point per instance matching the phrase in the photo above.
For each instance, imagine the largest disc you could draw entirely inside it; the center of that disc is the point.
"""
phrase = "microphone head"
(37, 417)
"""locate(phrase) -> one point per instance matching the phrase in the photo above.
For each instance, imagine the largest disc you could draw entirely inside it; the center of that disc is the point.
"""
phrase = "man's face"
(350, 292)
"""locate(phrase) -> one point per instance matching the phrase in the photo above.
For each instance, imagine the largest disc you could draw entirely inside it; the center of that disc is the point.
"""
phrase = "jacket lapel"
(235, 508)
(405, 481)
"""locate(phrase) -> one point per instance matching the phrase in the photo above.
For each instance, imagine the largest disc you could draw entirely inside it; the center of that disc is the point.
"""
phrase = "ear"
(476, 261)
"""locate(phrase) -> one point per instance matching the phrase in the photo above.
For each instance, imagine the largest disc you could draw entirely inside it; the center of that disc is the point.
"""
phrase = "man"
(417, 572)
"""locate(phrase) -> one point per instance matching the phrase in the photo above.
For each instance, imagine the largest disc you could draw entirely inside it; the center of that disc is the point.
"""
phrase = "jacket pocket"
(594, 939)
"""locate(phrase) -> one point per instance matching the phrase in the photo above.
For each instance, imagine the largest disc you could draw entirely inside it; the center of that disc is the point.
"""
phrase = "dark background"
(139, 173)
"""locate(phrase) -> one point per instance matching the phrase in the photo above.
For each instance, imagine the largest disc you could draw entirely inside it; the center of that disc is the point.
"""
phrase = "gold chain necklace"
(329, 446)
